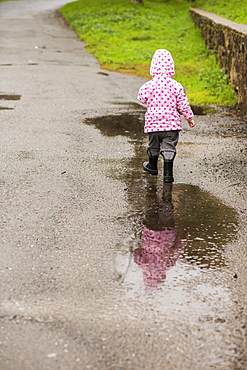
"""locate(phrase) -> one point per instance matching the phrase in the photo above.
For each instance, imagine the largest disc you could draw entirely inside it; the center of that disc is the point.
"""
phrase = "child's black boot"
(168, 171)
(152, 165)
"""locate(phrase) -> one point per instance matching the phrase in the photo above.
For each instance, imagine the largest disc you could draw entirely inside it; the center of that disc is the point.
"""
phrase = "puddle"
(174, 224)
(125, 124)
(179, 231)
(175, 253)
(198, 111)
(103, 73)
(203, 110)
(10, 97)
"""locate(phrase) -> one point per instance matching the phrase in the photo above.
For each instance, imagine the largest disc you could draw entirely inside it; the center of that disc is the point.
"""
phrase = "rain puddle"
(10, 97)
(177, 227)
(179, 232)
(197, 110)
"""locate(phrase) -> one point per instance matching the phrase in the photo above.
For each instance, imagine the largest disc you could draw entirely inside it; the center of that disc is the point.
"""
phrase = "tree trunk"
(136, 1)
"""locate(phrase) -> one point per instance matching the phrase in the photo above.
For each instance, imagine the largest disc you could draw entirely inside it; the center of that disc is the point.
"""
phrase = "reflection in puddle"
(176, 224)
(160, 245)
(179, 230)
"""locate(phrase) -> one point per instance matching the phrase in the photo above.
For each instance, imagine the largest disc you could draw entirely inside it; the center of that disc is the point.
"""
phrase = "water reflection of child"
(160, 244)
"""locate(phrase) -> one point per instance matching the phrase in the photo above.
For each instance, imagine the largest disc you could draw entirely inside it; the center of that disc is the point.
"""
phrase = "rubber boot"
(168, 171)
(151, 166)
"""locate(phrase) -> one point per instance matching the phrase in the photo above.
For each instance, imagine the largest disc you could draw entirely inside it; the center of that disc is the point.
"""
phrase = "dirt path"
(75, 291)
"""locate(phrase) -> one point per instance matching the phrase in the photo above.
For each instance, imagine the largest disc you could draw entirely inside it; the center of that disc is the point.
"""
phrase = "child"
(165, 100)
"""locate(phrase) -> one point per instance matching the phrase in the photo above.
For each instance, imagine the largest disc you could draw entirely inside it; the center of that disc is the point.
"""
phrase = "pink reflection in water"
(159, 252)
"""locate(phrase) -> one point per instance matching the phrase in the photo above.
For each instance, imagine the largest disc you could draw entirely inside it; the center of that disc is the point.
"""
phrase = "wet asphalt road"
(74, 199)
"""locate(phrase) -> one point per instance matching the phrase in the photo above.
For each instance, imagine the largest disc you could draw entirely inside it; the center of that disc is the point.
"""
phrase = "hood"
(162, 63)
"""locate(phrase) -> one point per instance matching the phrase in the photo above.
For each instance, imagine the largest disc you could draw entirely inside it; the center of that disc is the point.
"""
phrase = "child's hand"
(191, 122)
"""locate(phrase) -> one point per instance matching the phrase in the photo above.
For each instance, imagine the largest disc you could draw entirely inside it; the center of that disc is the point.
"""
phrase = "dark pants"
(164, 143)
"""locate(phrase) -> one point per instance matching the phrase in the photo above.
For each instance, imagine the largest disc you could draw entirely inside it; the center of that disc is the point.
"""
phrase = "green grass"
(235, 10)
(123, 37)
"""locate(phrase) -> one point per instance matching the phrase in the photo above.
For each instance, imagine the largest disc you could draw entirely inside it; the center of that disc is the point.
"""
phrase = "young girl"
(165, 100)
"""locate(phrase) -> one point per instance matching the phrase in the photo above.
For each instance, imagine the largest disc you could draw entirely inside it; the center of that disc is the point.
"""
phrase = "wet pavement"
(102, 265)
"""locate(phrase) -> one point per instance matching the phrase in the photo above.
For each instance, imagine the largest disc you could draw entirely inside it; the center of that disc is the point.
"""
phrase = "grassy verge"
(123, 37)
(235, 10)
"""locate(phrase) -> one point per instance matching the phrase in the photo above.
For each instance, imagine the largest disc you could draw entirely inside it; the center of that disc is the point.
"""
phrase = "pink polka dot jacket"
(164, 97)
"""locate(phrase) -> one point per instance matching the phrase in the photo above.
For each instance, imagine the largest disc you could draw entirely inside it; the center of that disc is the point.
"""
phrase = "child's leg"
(153, 152)
(154, 143)
(168, 144)
(168, 151)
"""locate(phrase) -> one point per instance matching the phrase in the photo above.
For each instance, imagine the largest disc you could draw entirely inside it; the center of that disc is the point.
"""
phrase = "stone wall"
(229, 40)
